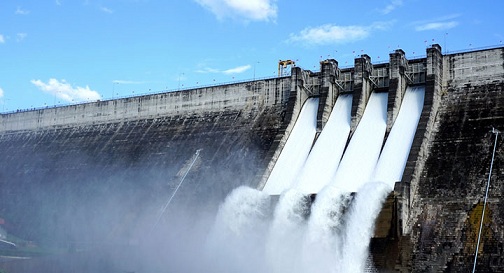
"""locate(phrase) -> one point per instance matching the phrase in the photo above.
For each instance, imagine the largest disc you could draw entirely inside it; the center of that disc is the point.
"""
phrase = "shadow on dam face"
(85, 198)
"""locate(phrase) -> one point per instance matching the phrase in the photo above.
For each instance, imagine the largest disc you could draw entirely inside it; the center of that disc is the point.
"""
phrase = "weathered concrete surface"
(209, 99)
(304, 84)
(104, 170)
(362, 89)
(449, 180)
(397, 85)
(452, 185)
(328, 91)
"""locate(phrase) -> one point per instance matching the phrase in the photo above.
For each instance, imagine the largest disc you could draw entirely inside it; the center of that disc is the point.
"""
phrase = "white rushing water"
(359, 226)
(324, 159)
(285, 237)
(296, 150)
(395, 153)
(323, 244)
(236, 242)
(361, 155)
(333, 233)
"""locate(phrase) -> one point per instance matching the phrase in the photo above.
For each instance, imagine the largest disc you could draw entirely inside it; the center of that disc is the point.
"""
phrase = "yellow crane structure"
(283, 65)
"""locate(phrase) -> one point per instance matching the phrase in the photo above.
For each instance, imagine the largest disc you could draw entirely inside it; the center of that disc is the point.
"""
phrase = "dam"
(139, 180)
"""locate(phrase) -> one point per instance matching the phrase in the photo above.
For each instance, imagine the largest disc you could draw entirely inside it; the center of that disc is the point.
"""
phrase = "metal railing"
(472, 49)
(142, 94)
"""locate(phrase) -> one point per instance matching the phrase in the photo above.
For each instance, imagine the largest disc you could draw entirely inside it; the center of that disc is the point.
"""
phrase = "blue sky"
(56, 52)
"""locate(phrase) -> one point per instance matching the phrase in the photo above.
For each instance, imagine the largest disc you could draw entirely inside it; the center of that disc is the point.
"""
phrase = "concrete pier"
(397, 85)
(362, 88)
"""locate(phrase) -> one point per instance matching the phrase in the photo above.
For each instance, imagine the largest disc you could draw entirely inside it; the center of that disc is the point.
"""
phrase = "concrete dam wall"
(106, 163)
(98, 173)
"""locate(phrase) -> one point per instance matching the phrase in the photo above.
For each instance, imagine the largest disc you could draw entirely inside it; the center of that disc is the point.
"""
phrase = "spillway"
(295, 151)
(330, 239)
(324, 159)
(388, 170)
(334, 235)
(361, 155)
(395, 153)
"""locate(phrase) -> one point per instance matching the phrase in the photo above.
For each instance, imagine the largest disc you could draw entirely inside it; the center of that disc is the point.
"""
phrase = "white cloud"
(391, 6)
(106, 10)
(2, 39)
(235, 70)
(330, 34)
(65, 91)
(21, 11)
(333, 34)
(250, 10)
(437, 26)
(21, 36)
(58, 2)
(1, 93)
(439, 23)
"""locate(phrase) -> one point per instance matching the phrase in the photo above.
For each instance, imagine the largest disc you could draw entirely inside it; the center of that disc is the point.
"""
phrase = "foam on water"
(360, 225)
(284, 244)
(236, 242)
(322, 249)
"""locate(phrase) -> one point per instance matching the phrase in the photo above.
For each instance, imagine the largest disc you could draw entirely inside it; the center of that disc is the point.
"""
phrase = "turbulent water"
(254, 233)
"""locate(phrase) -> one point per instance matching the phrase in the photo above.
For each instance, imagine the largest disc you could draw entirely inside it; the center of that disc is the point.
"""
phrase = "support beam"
(303, 86)
(362, 88)
(328, 91)
(397, 85)
(423, 135)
